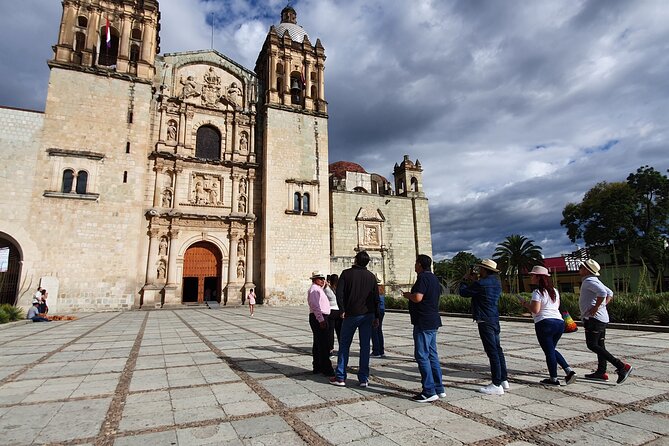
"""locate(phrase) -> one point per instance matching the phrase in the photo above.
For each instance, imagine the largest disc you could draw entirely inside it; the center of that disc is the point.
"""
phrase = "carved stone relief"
(240, 269)
(244, 143)
(206, 190)
(160, 274)
(162, 247)
(210, 89)
(241, 248)
(167, 198)
(172, 130)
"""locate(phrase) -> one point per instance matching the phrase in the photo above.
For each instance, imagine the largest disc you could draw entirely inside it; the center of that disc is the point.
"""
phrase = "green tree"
(514, 255)
(451, 271)
(631, 218)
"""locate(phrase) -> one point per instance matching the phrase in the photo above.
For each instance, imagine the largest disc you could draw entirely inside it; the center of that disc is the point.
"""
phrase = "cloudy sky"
(513, 108)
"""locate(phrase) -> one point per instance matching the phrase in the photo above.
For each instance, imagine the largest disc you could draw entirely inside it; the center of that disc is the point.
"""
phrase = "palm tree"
(515, 254)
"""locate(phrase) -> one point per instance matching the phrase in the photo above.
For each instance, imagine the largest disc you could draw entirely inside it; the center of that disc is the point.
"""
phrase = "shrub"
(569, 302)
(4, 317)
(397, 303)
(14, 313)
(454, 303)
(509, 305)
(663, 313)
(626, 308)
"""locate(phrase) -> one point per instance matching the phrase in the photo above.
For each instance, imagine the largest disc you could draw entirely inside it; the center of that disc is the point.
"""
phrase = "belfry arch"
(202, 267)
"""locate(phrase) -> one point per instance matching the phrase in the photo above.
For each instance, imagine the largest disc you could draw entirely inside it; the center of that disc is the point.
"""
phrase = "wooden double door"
(202, 273)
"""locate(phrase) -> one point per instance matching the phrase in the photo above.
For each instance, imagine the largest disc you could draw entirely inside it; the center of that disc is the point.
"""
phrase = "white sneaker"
(441, 395)
(505, 385)
(492, 389)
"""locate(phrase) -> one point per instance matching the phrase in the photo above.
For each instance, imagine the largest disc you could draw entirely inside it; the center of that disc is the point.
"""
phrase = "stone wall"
(403, 235)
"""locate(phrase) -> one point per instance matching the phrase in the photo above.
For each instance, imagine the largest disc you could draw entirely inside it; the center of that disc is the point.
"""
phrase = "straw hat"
(539, 271)
(489, 265)
(317, 275)
(591, 266)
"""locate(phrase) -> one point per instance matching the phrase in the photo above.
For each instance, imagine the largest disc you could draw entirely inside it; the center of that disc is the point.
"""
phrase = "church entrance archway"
(10, 270)
(202, 273)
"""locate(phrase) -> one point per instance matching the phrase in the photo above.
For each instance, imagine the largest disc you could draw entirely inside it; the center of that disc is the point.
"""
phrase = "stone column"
(153, 255)
(67, 25)
(321, 84)
(175, 173)
(249, 263)
(232, 258)
(235, 195)
(124, 39)
(272, 72)
(148, 36)
(171, 298)
(249, 197)
(181, 138)
(157, 193)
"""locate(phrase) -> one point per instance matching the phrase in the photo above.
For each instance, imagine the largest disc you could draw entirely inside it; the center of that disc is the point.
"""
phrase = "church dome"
(296, 32)
(289, 23)
(339, 168)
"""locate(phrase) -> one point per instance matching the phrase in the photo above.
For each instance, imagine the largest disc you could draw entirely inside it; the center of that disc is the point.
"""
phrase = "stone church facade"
(162, 180)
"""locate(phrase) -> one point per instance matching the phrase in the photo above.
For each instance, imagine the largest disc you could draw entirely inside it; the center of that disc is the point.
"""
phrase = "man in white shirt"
(319, 310)
(592, 302)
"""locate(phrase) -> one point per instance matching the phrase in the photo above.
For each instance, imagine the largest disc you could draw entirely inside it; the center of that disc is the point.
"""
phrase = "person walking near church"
(319, 311)
(485, 293)
(425, 318)
(252, 301)
(357, 295)
(592, 301)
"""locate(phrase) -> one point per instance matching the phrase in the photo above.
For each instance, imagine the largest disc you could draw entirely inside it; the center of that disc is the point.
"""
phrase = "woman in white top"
(548, 324)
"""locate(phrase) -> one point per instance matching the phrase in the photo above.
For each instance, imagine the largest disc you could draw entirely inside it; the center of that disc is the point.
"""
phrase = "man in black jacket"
(357, 298)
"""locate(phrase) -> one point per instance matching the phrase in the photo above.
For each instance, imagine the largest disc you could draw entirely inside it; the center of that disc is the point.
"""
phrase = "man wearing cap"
(319, 310)
(592, 302)
(33, 313)
(485, 293)
(357, 297)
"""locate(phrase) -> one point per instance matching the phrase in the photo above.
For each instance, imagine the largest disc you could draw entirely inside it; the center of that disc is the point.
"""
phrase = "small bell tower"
(118, 36)
(409, 178)
(290, 68)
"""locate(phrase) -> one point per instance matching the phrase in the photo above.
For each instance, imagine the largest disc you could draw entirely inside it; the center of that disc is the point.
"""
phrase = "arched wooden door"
(201, 279)
(10, 270)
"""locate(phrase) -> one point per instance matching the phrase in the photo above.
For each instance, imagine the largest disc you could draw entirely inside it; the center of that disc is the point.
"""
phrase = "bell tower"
(409, 178)
(293, 132)
(117, 36)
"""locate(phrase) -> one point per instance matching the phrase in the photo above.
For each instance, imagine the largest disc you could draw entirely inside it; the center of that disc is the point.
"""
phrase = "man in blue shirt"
(485, 293)
(425, 318)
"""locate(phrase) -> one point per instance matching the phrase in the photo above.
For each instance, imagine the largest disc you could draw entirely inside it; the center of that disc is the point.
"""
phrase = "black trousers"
(334, 326)
(595, 334)
(320, 351)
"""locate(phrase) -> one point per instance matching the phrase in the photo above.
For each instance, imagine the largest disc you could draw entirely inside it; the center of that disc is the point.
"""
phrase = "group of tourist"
(39, 306)
(354, 302)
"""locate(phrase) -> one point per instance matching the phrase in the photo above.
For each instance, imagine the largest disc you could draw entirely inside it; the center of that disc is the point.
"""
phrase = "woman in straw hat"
(485, 293)
(548, 324)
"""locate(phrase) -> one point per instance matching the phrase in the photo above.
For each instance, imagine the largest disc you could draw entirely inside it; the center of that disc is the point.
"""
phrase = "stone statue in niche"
(211, 91)
(172, 131)
(241, 248)
(213, 194)
(167, 198)
(162, 247)
(244, 143)
(161, 270)
(200, 197)
(240, 269)
(235, 95)
(189, 87)
(241, 206)
(242, 186)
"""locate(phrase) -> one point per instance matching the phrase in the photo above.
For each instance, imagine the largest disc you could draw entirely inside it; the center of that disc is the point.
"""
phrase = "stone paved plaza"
(219, 377)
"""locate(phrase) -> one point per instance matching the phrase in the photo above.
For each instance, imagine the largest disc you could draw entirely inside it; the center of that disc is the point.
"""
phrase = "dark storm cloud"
(471, 88)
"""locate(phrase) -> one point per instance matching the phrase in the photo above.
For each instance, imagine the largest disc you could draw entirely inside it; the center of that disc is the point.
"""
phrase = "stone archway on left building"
(11, 260)
(201, 279)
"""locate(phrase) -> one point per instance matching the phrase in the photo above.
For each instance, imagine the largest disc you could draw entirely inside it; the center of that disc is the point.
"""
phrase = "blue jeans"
(350, 324)
(549, 332)
(377, 337)
(489, 333)
(427, 357)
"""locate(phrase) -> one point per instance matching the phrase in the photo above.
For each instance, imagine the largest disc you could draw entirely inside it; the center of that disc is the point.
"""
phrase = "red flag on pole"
(108, 34)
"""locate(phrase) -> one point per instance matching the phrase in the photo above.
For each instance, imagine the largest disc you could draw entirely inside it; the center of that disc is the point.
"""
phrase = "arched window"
(82, 179)
(295, 88)
(108, 51)
(79, 41)
(134, 52)
(313, 92)
(208, 143)
(136, 34)
(360, 189)
(279, 84)
(82, 21)
(414, 184)
(279, 68)
(297, 202)
(68, 178)
(305, 203)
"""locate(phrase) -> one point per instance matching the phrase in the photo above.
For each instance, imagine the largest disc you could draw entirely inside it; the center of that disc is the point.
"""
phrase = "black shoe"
(550, 382)
(570, 378)
(597, 376)
(420, 398)
(315, 372)
(624, 373)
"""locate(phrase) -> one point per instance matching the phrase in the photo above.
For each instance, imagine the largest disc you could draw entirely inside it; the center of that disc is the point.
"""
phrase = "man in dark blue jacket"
(485, 293)
(425, 318)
